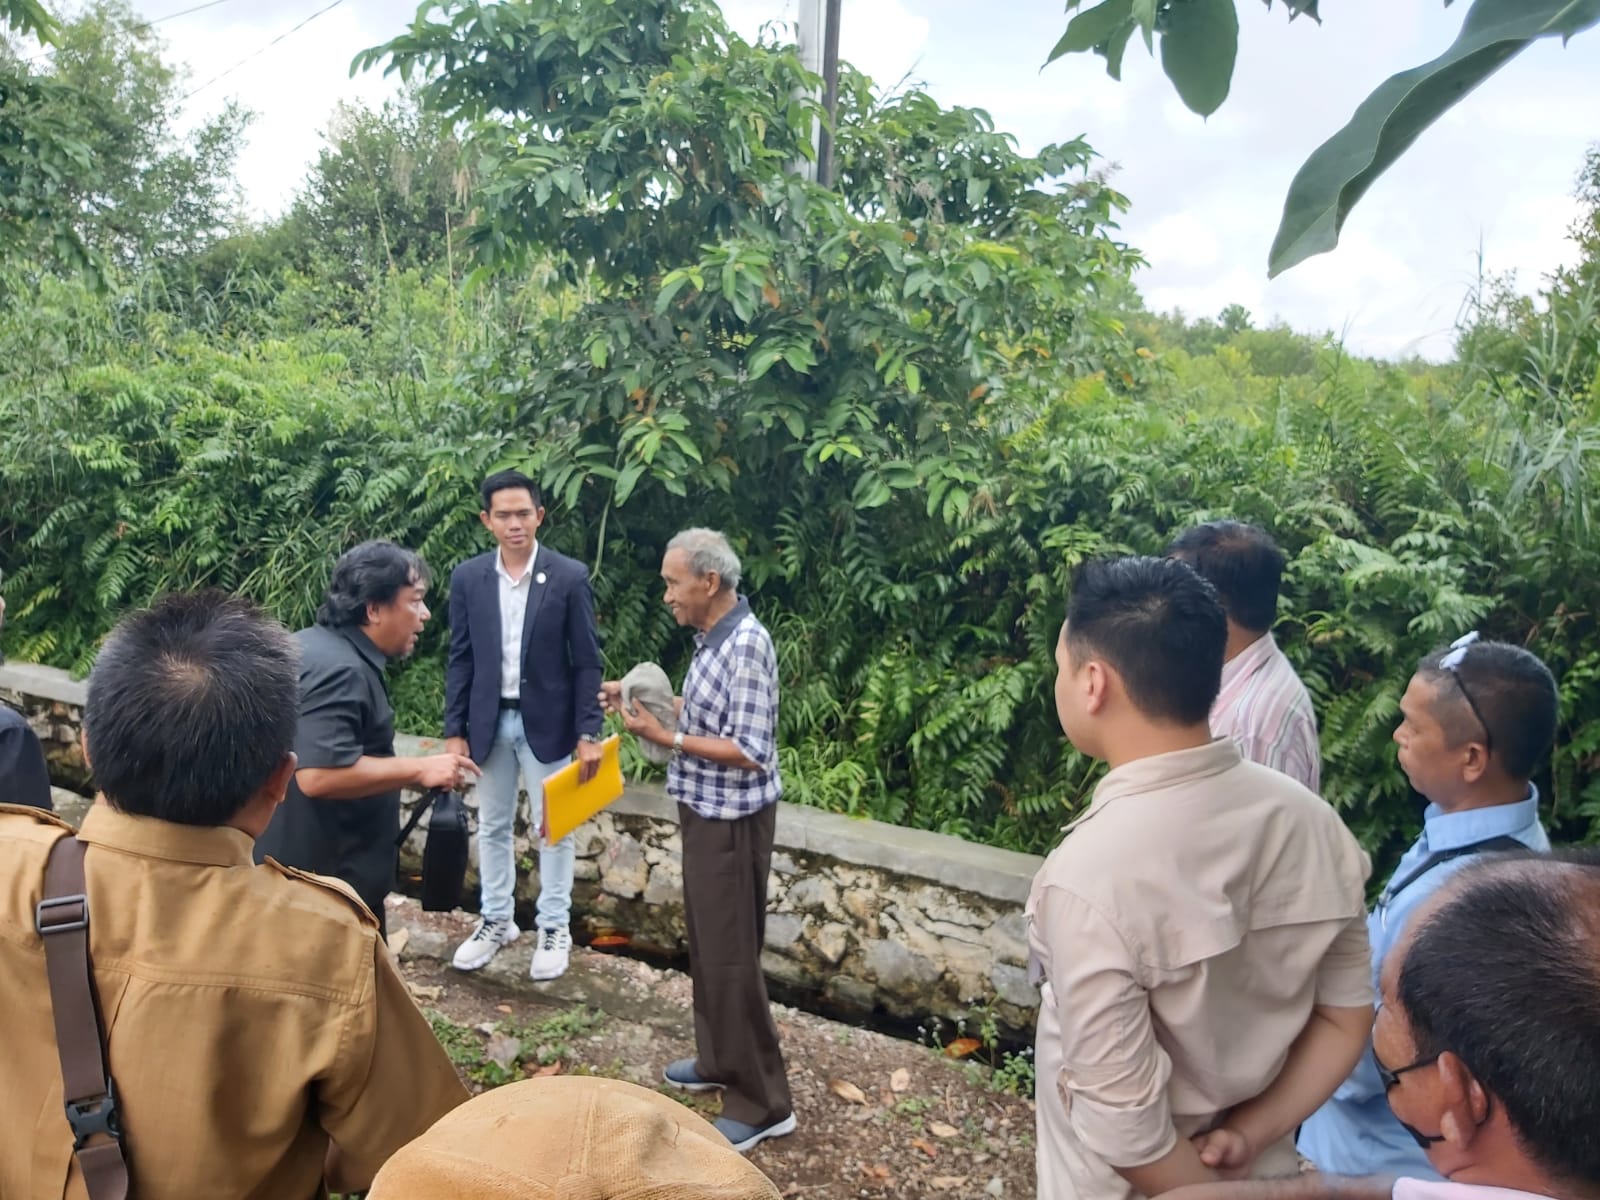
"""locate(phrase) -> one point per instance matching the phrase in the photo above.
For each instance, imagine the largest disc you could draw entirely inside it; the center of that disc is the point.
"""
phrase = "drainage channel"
(935, 1033)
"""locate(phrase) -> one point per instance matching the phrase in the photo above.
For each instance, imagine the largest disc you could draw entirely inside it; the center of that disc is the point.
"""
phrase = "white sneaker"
(551, 955)
(485, 942)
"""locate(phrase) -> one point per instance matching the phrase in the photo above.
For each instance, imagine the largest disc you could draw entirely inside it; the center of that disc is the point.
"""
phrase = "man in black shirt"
(342, 811)
(24, 777)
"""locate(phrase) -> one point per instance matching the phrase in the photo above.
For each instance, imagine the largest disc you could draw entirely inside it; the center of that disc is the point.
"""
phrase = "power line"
(146, 25)
(262, 50)
(184, 13)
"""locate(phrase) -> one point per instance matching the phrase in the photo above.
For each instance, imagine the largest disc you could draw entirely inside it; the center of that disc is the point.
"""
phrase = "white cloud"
(1182, 241)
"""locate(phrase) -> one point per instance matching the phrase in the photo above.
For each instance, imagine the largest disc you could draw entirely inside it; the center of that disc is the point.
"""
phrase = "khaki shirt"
(252, 1015)
(1185, 929)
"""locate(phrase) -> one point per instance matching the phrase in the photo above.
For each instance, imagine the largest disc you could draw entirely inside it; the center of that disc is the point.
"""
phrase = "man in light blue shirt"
(1476, 720)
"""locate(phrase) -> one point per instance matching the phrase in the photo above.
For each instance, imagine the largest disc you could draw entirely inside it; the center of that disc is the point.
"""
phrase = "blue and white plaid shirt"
(731, 691)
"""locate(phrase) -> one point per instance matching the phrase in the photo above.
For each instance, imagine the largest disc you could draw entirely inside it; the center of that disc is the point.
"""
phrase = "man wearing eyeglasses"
(1476, 720)
(1488, 1040)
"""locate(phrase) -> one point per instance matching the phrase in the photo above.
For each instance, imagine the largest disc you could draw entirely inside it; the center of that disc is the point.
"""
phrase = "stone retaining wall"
(869, 917)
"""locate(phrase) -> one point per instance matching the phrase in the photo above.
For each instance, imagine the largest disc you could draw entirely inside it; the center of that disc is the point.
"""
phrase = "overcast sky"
(1495, 176)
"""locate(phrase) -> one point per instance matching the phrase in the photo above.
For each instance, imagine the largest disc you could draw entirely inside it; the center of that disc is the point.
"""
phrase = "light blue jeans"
(498, 787)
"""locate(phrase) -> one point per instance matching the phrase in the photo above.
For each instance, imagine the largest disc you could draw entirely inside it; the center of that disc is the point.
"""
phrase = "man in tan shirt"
(1201, 932)
(258, 1032)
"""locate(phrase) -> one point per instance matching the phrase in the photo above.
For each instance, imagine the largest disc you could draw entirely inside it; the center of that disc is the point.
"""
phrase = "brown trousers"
(725, 866)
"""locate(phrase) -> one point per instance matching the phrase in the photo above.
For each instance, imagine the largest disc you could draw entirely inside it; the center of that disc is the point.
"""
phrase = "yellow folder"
(568, 803)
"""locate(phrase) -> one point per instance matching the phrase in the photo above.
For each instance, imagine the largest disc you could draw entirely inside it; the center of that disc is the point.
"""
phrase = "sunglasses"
(1451, 662)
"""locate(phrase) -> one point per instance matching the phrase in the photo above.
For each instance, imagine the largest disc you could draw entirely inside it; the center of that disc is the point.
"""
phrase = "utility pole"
(818, 32)
(830, 93)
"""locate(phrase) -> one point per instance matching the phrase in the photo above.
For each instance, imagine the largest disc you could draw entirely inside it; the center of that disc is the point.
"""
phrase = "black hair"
(1242, 562)
(505, 481)
(192, 705)
(1505, 975)
(1159, 625)
(371, 573)
(1514, 692)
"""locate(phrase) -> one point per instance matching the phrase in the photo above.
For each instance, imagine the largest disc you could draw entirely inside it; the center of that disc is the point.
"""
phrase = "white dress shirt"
(513, 607)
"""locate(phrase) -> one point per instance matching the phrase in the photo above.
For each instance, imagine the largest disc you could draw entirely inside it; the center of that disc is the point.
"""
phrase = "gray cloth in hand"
(647, 686)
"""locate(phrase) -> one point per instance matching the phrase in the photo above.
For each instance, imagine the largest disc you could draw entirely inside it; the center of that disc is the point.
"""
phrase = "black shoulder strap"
(1438, 857)
(422, 807)
(62, 919)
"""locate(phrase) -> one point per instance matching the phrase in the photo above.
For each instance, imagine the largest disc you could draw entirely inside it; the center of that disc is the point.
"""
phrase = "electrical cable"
(262, 50)
(147, 24)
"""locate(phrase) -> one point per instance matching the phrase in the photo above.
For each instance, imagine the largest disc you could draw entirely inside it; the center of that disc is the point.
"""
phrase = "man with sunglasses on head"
(1476, 720)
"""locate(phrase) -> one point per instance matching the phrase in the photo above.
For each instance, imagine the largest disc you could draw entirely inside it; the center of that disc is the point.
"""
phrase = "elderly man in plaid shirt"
(724, 776)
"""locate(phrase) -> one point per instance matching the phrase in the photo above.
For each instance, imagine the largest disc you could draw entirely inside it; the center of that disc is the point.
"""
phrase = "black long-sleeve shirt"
(24, 777)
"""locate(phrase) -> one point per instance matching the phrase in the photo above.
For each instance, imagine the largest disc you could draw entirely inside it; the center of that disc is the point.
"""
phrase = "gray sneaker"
(485, 942)
(746, 1137)
(684, 1075)
(551, 955)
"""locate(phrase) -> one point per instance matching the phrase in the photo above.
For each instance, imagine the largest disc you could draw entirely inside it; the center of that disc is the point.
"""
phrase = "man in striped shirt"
(1262, 706)
(724, 776)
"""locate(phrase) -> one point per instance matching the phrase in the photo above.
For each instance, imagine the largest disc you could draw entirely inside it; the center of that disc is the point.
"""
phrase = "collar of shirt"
(148, 837)
(1449, 831)
(1407, 1188)
(1248, 661)
(364, 647)
(1160, 771)
(723, 629)
(500, 566)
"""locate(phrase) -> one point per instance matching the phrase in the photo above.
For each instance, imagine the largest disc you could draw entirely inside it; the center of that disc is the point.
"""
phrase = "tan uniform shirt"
(1185, 929)
(252, 1015)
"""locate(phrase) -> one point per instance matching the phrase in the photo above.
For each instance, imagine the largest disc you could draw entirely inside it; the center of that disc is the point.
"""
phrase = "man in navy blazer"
(521, 693)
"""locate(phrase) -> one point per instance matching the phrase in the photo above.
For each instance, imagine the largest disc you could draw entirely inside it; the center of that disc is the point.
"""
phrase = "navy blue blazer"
(561, 669)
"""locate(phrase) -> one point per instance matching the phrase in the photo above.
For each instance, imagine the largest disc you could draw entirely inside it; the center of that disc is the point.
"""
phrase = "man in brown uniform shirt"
(1201, 932)
(258, 1032)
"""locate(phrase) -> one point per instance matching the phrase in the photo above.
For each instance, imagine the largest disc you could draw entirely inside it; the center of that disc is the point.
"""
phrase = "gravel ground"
(878, 1116)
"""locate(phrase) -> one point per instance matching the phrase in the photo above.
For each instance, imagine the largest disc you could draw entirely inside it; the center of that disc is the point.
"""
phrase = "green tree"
(857, 333)
(1234, 319)
(387, 192)
(822, 373)
(103, 174)
(154, 196)
(40, 147)
(386, 195)
(28, 17)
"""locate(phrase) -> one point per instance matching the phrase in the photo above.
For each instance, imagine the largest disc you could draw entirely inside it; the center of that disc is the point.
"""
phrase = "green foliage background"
(915, 405)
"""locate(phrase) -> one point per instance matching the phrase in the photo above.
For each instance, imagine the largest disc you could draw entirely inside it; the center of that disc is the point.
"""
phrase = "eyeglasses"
(1391, 1080)
(1451, 662)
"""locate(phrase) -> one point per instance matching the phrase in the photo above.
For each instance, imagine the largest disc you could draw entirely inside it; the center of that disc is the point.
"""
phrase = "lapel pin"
(539, 578)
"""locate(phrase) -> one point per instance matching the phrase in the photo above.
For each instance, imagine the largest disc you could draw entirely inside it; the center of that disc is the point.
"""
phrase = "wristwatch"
(677, 743)
(589, 737)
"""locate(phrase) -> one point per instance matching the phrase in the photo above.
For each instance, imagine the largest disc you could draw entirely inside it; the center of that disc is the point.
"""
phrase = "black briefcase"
(444, 854)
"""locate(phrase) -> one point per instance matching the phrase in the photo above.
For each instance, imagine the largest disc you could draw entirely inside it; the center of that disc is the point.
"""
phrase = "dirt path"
(878, 1116)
